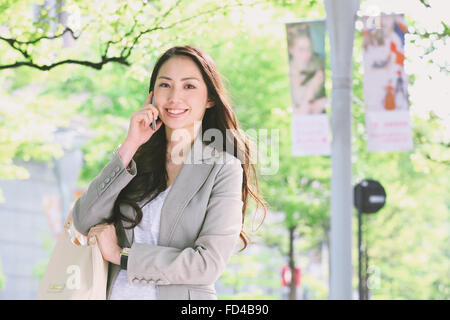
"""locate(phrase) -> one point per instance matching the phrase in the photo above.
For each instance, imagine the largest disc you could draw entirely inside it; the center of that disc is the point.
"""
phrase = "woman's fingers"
(154, 115)
(96, 230)
(151, 113)
(148, 118)
(149, 99)
(152, 108)
(100, 226)
(143, 115)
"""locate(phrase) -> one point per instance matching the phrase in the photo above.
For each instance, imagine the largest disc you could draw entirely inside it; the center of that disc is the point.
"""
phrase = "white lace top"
(147, 231)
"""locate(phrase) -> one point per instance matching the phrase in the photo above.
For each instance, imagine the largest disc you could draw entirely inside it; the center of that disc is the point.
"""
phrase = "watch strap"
(124, 258)
(123, 262)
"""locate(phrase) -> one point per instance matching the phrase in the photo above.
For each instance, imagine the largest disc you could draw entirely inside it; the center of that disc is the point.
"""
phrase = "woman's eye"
(165, 85)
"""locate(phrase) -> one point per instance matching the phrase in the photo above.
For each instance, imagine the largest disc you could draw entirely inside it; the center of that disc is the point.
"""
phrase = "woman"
(168, 212)
(306, 73)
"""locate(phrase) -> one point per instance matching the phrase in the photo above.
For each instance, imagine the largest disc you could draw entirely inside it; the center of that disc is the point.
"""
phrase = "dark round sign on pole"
(369, 196)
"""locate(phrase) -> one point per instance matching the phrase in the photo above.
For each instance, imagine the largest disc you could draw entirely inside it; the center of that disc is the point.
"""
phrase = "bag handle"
(73, 233)
(69, 221)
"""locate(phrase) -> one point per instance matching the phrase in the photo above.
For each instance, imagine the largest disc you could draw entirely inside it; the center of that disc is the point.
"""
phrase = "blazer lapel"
(190, 178)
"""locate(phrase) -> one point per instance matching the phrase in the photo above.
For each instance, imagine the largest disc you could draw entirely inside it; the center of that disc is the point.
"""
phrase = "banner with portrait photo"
(385, 84)
(310, 122)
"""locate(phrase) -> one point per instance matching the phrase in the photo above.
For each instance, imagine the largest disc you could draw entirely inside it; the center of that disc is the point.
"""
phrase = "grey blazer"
(201, 219)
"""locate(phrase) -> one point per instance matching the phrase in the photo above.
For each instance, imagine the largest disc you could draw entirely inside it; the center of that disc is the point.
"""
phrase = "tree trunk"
(292, 286)
(366, 273)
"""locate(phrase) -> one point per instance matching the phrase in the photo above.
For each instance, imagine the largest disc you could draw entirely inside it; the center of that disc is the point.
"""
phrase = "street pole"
(341, 27)
(359, 245)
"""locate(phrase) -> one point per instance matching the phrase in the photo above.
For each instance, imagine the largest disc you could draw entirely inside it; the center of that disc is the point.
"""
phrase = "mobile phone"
(154, 121)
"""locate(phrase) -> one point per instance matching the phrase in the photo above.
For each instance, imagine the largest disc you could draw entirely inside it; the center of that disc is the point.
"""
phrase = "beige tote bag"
(74, 271)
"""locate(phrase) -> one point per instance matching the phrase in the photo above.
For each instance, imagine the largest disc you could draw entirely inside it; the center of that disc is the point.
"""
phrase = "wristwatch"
(124, 258)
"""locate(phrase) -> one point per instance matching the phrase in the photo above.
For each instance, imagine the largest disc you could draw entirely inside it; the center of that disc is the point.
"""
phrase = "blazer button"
(117, 169)
(102, 185)
(107, 180)
(113, 174)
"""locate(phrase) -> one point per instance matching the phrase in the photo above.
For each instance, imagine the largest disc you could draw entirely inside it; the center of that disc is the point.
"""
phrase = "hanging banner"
(310, 123)
(385, 84)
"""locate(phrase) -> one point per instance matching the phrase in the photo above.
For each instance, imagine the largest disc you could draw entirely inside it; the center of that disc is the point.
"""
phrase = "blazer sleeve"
(97, 202)
(204, 263)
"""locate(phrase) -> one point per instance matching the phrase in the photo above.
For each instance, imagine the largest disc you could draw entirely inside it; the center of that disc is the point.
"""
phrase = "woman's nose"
(175, 95)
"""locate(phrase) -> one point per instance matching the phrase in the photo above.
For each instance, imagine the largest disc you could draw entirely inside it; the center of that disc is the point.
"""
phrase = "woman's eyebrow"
(187, 78)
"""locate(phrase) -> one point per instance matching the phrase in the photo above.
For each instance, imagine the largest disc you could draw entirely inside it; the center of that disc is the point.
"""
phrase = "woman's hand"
(140, 129)
(107, 242)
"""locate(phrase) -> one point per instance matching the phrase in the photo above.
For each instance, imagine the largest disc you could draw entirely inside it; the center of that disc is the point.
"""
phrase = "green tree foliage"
(105, 31)
(407, 241)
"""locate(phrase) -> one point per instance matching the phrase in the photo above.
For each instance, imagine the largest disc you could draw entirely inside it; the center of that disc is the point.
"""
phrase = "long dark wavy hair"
(150, 158)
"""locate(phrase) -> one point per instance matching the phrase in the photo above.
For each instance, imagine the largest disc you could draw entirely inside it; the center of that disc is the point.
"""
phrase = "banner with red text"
(385, 84)
(310, 122)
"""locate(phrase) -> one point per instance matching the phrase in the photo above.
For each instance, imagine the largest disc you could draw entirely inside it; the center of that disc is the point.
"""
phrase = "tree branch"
(443, 162)
(16, 45)
(425, 3)
(95, 65)
(125, 52)
(216, 9)
(67, 29)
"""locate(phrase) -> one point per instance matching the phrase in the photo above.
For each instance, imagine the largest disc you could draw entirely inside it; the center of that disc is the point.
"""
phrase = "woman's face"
(180, 87)
(301, 51)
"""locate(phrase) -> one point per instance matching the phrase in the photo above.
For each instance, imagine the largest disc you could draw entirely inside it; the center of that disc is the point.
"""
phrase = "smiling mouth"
(176, 112)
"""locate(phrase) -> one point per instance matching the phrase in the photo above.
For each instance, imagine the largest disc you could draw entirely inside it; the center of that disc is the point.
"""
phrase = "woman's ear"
(210, 103)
